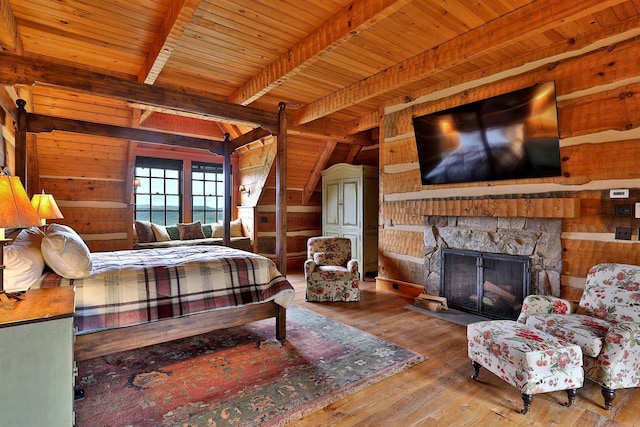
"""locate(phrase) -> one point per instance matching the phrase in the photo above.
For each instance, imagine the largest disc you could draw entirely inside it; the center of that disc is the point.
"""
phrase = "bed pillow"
(160, 232)
(190, 231)
(23, 260)
(65, 252)
(236, 228)
(329, 258)
(217, 230)
(144, 230)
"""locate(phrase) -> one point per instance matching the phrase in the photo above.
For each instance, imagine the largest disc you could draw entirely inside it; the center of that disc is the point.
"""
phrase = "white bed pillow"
(160, 231)
(65, 252)
(23, 260)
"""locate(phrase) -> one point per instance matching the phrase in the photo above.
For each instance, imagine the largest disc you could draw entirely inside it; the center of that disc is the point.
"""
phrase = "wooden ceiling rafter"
(353, 19)
(9, 37)
(15, 69)
(175, 22)
(39, 123)
(541, 16)
(316, 172)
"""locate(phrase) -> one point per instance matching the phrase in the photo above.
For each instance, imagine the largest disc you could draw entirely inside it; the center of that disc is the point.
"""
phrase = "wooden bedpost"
(281, 324)
(228, 183)
(281, 192)
(21, 143)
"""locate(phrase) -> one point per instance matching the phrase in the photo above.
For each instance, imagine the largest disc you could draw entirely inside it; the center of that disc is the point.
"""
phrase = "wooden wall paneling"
(297, 221)
(617, 110)
(77, 189)
(403, 242)
(585, 161)
(393, 266)
(580, 255)
(590, 101)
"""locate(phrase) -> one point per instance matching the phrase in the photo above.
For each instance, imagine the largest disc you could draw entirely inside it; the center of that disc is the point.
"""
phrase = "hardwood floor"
(440, 391)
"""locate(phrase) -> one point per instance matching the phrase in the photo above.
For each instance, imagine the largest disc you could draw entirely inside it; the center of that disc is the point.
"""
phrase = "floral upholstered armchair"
(605, 324)
(330, 273)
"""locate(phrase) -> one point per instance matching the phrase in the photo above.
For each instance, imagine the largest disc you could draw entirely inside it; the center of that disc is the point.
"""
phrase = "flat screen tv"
(510, 136)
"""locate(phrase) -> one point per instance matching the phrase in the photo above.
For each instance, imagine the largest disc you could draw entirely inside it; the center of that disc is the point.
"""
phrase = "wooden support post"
(281, 192)
(226, 171)
(21, 143)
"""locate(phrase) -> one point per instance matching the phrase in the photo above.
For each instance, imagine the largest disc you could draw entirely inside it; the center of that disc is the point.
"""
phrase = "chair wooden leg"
(476, 369)
(527, 399)
(608, 395)
(571, 394)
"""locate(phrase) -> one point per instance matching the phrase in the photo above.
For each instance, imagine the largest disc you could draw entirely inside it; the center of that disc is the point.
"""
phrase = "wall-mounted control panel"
(619, 193)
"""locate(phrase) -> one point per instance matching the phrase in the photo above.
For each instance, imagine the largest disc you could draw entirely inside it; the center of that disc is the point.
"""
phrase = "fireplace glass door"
(491, 285)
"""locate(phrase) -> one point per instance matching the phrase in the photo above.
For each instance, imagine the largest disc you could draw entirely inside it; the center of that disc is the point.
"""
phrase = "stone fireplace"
(539, 239)
(491, 285)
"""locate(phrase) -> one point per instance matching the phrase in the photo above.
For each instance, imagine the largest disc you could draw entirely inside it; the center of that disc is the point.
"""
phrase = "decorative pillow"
(329, 258)
(190, 231)
(144, 232)
(23, 260)
(236, 228)
(65, 252)
(135, 234)
(160, 232)
(217, 230)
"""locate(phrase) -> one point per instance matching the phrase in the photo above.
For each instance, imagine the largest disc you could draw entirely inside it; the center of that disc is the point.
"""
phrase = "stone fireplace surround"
(538, 238)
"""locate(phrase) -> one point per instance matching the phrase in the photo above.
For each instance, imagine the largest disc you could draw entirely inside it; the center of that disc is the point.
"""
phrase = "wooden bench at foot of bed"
(101, 343)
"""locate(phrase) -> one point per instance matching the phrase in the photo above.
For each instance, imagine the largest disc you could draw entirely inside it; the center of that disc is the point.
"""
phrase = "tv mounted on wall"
(510, 136)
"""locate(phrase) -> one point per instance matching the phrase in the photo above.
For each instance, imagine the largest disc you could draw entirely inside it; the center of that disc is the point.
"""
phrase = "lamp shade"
(15, 209)
(46, 206)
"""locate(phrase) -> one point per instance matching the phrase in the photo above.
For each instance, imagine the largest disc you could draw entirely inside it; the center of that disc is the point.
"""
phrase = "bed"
(134, 298)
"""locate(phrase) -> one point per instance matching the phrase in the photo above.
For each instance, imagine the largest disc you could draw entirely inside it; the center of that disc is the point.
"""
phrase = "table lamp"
(46, 207)
(16, 211)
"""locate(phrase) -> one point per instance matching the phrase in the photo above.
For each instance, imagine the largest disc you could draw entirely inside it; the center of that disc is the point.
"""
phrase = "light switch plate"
(637, 210)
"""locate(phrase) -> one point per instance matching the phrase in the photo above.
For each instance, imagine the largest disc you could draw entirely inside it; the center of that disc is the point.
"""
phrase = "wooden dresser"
(37, 372)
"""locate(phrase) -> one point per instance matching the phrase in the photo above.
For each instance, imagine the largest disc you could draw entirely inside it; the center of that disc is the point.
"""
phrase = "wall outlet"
(625, 210)
(623, 233)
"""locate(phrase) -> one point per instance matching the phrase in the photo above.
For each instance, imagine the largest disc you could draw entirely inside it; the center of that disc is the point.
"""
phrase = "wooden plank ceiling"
(335, 63)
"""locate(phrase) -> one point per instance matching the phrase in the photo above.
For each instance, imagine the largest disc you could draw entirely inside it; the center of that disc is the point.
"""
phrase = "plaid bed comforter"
(139, 286)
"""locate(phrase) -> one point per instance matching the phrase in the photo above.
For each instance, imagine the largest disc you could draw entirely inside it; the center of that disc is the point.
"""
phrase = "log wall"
(599, 114)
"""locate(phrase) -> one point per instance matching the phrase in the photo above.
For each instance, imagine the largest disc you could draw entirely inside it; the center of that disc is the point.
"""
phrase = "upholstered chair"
(330, 273)
(605, 324)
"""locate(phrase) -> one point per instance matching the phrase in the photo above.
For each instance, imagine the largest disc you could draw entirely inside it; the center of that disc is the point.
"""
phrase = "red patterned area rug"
(240, 376)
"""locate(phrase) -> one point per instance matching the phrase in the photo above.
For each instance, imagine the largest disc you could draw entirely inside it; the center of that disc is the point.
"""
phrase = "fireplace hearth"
(488, 284)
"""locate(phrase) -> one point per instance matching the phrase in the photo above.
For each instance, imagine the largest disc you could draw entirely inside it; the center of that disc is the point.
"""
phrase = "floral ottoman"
(530, 360)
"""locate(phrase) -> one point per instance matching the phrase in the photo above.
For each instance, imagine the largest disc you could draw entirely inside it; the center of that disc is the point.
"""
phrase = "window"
(158, 198)
(207, 192)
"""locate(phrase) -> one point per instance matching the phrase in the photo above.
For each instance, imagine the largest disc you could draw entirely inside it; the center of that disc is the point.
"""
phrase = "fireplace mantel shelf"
(525, 208)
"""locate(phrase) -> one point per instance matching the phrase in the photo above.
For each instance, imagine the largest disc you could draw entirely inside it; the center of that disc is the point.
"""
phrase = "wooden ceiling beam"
(248, 138)
(350, 21)
(540, 16)
(16, 69)
(329, 129)
(316, 173)
(175, 21)
(188, 126)
(37, 123)
(9, 37)
(366, 122)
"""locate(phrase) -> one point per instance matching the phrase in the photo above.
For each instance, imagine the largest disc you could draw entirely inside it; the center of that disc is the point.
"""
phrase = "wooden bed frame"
(94, 344)
(101, 343)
